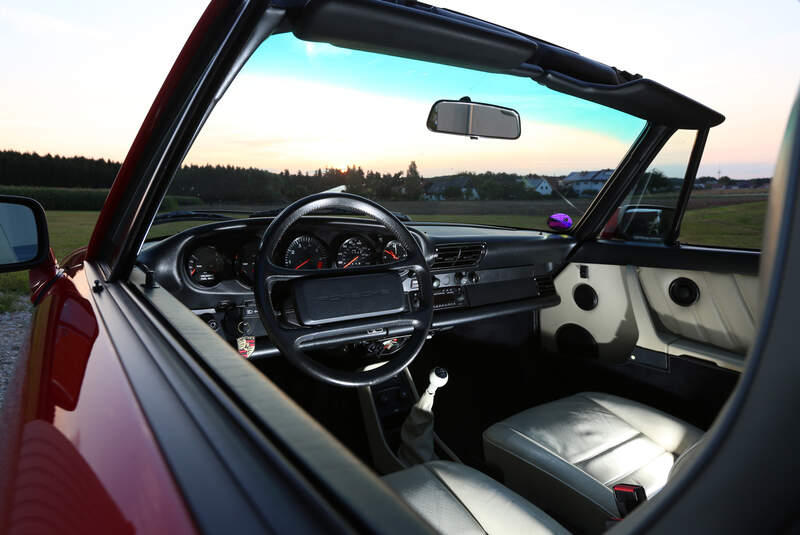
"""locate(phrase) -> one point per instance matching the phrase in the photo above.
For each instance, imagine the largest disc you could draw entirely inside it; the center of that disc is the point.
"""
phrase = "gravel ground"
(14, 329)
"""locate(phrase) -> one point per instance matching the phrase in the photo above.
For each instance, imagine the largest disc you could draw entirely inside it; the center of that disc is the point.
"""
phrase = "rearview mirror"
(474, 119)
(23, 233)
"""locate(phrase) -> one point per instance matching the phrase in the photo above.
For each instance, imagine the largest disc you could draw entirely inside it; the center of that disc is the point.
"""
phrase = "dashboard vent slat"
(459, 255)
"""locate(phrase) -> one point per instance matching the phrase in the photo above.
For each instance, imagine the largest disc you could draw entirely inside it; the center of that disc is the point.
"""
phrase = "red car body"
(77, 454)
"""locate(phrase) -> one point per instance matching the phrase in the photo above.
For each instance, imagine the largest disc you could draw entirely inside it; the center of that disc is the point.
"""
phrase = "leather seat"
(566, 455)
(455, 498)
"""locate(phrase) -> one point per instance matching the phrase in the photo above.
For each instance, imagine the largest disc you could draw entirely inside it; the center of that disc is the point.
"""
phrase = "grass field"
(738, 225)
(68, 231)
(723, 220)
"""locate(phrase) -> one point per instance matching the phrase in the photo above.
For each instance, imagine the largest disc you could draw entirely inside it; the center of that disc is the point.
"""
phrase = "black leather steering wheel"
(335, 306)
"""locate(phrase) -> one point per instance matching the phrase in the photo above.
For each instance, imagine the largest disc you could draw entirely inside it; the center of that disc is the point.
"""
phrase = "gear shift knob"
(438, 378)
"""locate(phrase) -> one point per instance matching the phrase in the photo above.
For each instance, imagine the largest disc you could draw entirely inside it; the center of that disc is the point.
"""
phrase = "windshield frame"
(222, 41)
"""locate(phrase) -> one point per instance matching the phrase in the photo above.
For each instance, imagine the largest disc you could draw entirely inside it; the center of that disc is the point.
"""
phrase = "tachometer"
(354, 251)
(205, 265)
(393, 251)
(245, 262)
(306, 252)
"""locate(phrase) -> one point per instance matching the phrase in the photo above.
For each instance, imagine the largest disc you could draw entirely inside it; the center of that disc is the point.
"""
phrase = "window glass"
(725, 212)
(304, 117)
(649, 209)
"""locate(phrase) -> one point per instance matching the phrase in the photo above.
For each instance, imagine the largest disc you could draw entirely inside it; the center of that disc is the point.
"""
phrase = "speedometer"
(205, 265)
(306, 252)
(354, 251)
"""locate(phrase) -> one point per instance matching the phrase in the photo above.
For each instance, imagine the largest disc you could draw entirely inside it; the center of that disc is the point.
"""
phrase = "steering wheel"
(332, 307)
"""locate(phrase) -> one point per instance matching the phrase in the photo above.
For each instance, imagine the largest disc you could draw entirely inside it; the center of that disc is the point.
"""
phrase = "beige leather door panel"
(610, 323)
(723, 315)
(634, 308)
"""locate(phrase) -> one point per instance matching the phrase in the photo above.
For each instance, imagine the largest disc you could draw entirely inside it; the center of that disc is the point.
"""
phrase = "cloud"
(79, 77)
(48, 26)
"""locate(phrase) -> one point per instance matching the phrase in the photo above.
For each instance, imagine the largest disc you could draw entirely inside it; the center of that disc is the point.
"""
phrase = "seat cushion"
(567, 455)
(455, 498)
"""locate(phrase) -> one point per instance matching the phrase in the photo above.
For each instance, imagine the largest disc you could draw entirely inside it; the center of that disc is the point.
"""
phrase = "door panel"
(610, 323)
(722, 316)
(633, 308)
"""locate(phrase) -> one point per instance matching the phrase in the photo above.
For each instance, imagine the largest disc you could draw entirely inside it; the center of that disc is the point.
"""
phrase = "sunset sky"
(78, 78)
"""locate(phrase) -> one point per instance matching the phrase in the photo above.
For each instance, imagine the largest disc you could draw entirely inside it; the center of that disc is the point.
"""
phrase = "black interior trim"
(192, 429)
(658, 255)
(413, 32)
(642, 98)
(450, 318)
(696, 156)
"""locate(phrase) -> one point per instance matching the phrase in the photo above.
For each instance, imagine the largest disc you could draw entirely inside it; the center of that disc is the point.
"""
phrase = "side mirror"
(644, 222)
(474, 119)
(24, 241)
(559, 222)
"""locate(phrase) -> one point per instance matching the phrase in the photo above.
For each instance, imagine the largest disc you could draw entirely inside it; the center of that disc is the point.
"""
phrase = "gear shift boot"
(417, 431)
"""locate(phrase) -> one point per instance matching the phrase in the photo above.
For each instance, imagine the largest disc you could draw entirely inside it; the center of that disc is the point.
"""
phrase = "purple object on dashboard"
(559, 222)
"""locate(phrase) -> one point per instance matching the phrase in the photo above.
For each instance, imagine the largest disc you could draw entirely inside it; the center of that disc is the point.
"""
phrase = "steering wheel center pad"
(333, 299)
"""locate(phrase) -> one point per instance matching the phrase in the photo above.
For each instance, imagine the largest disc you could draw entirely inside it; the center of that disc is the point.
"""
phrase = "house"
(587, 182)
(437, 189)
(539, 185)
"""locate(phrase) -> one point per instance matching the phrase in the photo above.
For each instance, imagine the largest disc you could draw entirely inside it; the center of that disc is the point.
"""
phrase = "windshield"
(304, 117)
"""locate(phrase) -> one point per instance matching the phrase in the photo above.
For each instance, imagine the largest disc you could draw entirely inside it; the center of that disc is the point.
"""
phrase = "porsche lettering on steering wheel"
(330, 307)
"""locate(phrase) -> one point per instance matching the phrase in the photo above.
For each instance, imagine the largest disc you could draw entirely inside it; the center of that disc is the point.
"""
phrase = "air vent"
(546, 285)
(458, 255)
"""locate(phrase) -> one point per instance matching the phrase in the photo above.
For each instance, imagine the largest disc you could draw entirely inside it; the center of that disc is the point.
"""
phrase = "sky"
(79, 77)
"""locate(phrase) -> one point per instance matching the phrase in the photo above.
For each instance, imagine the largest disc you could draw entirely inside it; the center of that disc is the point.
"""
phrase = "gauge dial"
(353, 252)
(245, 262)
(393, 251)
(205, 265)
(306, 252)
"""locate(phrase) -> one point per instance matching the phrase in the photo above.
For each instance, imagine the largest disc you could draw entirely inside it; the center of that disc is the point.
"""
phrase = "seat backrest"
(743, 477)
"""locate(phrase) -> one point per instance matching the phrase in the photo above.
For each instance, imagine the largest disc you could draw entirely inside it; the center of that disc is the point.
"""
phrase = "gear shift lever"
(417, 430)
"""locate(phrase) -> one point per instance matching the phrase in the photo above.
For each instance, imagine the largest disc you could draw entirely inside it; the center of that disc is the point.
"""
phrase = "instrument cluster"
(209, 262)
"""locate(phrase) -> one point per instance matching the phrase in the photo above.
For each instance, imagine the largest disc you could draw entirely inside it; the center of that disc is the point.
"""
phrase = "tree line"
(228, 184)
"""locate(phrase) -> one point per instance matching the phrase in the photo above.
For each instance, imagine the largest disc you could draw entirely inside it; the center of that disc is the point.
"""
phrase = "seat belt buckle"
(628, 497)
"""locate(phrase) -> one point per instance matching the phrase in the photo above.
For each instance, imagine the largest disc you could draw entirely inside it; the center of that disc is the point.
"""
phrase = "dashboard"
(209, 261)
(478, 272)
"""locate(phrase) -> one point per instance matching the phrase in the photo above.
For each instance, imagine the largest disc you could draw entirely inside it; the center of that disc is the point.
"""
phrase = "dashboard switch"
(244, 327)
(436, 282)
